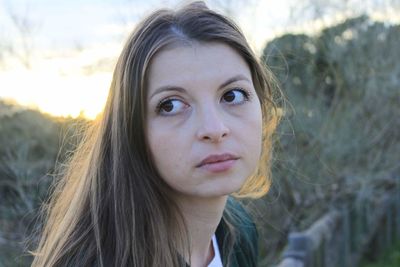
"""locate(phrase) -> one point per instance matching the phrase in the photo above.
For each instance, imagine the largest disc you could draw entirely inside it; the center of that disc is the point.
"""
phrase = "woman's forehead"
(196, 62)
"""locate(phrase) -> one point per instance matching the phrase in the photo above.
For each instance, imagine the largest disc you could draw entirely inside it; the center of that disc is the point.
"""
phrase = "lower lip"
(220, 166)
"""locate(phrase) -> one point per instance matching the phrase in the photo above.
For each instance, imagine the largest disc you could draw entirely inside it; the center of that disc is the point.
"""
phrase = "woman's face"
(204, 119)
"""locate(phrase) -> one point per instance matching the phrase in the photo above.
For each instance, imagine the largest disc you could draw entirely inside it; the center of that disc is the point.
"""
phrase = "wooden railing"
(343, 235)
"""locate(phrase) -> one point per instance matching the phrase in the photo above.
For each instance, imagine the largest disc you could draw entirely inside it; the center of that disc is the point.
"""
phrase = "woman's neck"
(202, 216)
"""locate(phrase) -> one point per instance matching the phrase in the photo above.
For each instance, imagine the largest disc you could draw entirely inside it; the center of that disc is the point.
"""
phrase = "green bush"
(390, 259)
(340, 133)
(30, 145)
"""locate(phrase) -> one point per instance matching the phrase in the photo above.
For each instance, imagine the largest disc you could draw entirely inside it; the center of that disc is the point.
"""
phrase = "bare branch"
(26, 28)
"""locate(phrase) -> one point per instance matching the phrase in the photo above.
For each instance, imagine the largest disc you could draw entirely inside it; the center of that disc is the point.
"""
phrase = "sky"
(68, 38)
(63, 24)
(66, 24)
(64, 62)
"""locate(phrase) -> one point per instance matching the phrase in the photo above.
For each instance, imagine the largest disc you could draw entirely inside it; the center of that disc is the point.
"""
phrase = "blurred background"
(335, 195)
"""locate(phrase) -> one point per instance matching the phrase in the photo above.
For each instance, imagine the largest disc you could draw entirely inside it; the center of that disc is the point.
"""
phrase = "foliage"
(340, 133)
(390, 259)
(29, 147)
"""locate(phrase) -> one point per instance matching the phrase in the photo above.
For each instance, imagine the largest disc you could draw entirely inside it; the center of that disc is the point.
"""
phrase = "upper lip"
(217, 158)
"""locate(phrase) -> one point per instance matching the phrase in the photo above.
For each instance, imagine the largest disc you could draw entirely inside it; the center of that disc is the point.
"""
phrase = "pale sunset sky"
(61, 56)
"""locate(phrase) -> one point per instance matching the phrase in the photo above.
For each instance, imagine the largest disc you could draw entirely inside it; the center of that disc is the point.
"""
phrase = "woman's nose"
(212, 127)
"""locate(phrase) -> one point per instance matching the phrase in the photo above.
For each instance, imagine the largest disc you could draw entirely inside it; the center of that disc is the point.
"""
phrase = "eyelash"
(246, 94)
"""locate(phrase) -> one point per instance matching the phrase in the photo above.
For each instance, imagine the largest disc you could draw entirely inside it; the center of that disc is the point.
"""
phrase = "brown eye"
(168, 107)
(229, 96)
(235, 96)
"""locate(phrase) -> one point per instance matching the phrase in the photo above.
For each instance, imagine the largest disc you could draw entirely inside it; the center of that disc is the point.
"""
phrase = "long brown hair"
(111, 207)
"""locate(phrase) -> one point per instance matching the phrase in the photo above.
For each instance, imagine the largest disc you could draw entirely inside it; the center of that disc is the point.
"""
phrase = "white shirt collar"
(216, 261)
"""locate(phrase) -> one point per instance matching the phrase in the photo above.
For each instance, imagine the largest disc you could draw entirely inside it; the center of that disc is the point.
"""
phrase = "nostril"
(215, 137)
(212, 128)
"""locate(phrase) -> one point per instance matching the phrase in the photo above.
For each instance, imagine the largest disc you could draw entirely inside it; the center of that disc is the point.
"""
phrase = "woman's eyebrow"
(235, 78)
(167, 88)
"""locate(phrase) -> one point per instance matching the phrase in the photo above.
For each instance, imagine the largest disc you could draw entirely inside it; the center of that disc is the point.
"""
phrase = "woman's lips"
(218, 163)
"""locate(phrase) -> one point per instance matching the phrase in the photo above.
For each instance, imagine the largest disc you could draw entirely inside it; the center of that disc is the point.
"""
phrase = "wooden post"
(345, 241)
(389, 223)
(299, 248)
(397, 205)
(353, 226)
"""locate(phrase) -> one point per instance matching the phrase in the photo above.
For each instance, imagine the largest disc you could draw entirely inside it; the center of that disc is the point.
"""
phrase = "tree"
(22, 47)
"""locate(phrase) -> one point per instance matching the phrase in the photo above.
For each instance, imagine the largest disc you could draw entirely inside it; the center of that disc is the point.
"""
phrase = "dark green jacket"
(245, 250)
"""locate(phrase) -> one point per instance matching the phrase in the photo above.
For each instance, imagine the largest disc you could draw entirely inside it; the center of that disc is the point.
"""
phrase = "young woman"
(186, 130)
